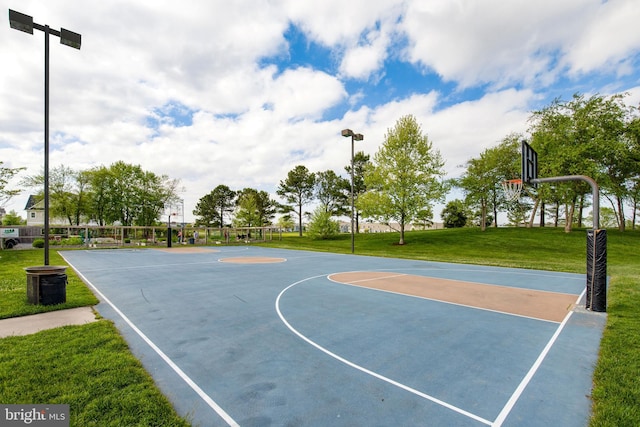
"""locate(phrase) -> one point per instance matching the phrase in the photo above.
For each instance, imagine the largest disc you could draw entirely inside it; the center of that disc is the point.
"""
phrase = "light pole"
(21, 22)
(354, 137)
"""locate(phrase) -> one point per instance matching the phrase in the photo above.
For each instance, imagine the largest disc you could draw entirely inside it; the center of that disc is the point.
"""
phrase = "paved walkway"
(26, 325)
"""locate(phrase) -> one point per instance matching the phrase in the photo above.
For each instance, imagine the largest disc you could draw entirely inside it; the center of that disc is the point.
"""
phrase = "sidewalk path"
(26, 325)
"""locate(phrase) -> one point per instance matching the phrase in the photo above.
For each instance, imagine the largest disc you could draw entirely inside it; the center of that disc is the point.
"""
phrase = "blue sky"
(238, 93)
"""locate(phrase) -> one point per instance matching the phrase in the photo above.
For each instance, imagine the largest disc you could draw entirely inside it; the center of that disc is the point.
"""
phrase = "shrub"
(38, 243)
(71, 241)
(321, 225)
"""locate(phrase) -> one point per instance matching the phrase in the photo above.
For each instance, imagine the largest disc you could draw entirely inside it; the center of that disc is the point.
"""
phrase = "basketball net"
(512, 188)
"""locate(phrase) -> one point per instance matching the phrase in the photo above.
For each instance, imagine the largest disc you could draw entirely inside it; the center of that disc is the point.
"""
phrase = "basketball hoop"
(512, 188)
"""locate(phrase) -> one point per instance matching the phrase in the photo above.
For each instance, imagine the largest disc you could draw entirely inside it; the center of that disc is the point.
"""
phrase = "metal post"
(353, 238)
(21, 22)
(354, 137)
(596, 297)
(46, 145)
(169, 229)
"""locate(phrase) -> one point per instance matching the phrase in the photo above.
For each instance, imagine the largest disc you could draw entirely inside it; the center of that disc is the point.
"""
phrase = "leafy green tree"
(254, 208)
(453, 215)
(285, 222)
(634, 197)
(475, 217)
(321, 225)
(562, 150)
(6, 174)
(127, 194)
(482, 181)
(211, 208)
(69, 193)
(12, 218)
(597, 137)
(297, 190)
(615, 149)
(361, 162)
(333, 192)
(247, 214)
(424, 218)
(99, 182)
(608, 218)
(61, 192)
(157, 192)
(405, 176)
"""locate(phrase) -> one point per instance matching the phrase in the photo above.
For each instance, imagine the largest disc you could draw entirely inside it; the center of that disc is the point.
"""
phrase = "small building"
(35, 212)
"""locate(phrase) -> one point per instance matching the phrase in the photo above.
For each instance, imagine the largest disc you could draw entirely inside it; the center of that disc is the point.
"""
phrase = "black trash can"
(192, 241)
(47, 284)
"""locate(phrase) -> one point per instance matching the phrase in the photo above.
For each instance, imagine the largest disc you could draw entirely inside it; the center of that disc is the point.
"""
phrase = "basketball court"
(255, 336)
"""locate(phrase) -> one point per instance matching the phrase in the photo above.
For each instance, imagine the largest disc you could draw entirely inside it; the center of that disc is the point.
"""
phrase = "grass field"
(90, 366)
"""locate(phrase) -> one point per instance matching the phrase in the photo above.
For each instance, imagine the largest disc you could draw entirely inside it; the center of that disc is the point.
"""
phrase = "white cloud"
(303, 92)
(336, 22)
(251, 122)
(361, 61)
(505, 43)
(609, 35)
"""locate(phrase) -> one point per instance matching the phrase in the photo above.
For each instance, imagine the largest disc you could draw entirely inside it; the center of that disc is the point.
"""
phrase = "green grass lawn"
(13, 284)
(91, 368)
(88, 367)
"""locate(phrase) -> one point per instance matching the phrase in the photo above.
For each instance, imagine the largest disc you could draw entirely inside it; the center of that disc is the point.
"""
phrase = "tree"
(285, 222)
(634, 196)
(562, 150)
(360, 164)
(247, 209)
(297, 190)
(333, 192)
(212, 207)
(482, 180)
(405, 176)
(453, 214)
(596, 137)
(617, 148)
(424, 218)
(5, 176)
(157, 192)
(99, 181)
(69, 194)
(129, 195)
(12, 218)
(254, 208)
(321, 226)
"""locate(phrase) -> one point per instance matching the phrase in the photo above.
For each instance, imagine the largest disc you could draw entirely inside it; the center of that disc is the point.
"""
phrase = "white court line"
(373, 279)
(367, 371)
(204, 396)
(534, 368)
(384, 270)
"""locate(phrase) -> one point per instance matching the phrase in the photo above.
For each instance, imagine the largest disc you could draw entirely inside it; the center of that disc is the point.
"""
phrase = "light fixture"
(21, 22)
(354, 137)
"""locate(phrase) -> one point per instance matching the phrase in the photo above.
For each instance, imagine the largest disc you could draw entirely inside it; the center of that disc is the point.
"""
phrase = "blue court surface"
(255, 336)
